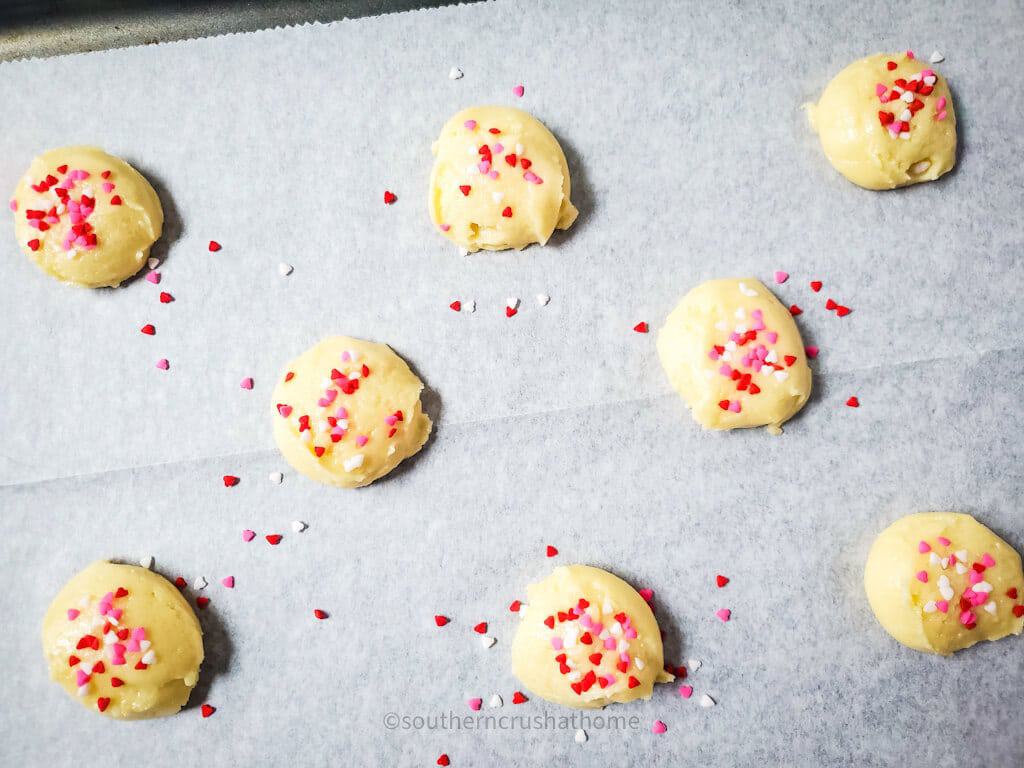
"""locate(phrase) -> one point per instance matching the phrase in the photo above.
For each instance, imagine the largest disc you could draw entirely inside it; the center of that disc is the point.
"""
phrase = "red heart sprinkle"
(102, 703)
(289, 376)
(843, 311)
(830, 305)
(202, 602)
(480, 628)
(595, 658)
(633, 682)
(116, 200)
(441, 620)
(443, 760)
(274, 538)
(318, 450)
(723, 404)
(98, 668)
(550, 622)
(464, 189)
(587, 639)
(180, 582)
(319, 613)
(121, 592)
(514, 606)
(511, 159)
(551, 551)
(1012, 593)
(794, 310)
(207, 710)
(116, 682)
(122, 634)
(389, 197)
(525, 164)
(230, 481)
(790, 359)
(853, 402)
(641, 328)
(1018, 611)
(141, 666)
(754, 389)
(72, 660)
(62, 169)
(165, 298)
(456, 305)
(507, 213)
(816, 284)
(721, 580)
(510, 311)
(577, 688)
(518, 698)
(890, 65)
(622, 666)
(214, 246)
(148, 329)
(33, 244)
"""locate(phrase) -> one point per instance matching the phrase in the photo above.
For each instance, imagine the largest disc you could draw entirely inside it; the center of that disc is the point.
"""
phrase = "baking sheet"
(691, 160)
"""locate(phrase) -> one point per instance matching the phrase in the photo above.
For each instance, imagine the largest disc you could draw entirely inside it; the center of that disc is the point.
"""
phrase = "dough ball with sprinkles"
(123, 641)
(887, 121)
(86, 217)
(940, 582)
(734, 354)
(346, 412)
(586, 639)
(500, 180)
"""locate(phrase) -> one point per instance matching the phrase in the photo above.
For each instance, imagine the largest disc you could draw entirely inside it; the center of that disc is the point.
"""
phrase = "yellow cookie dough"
(940, 581)
(86, 217)
(575, 615)
(887, 121)
(734, 354)
(123, 641)
(347, 412)
(500, 180)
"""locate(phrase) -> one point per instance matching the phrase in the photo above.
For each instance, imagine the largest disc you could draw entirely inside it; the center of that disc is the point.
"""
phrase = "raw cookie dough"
(347, 412)
(86, 217)
(887, 121)
(940, 581)
(586, 639)
(123, 641)
(735, 355)
(500, 180)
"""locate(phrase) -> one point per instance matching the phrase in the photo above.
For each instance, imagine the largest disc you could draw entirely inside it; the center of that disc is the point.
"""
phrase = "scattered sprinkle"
(519, 698)
(495, 701)
(202, 602)
(647, 595)
(285, 269)
(455, 306)
(794, 310)
(721, 580)
(199, 583)
(936, 57)
(214, 246)
(475, 704)
(389, 197)
(163, 364)
(686, 691)
(152, 262)
(781, 277)
(481, 628)
(641, 327)
(853, 402)
(694, 664)
(543, 299)
(207, 710)
(551, 551)
(230, 481)
(320, 614)
(518, 91)
(149, 329)
(455, 73)
(274, 538)
(658, 727)
(153, 277)
(444, 760)
(811, 352)
(246, 383)
(706, 701)
(487, 641)
(816, 285)
(276, 477)
(724, 614)
(248, 535)
(228, 581)
(146, 562)
(441, 620)
(298, 526)
(165, 297)
(580, 737)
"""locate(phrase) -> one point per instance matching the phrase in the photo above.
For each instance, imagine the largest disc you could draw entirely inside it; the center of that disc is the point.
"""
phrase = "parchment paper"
(691, 159)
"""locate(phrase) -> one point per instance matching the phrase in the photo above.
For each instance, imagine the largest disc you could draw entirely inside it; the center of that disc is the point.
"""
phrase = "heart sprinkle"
(214, 246)
(724, 614)
(441, 620)
(389, 197)
(248, 535)
(551, 551)
(641, 327)
(274, 538)
(853, 402)
(781, 277)
(519, 698)
(518, 91)
(320, 614)
(207, 710)
(246, 383)
(721, 581)
(658, 727)
(230, 481)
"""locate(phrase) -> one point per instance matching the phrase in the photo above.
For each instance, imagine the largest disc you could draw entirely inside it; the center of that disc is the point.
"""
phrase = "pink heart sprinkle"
(162, 364)
(880, 89)
(922, 576)
(734, 406)
(518, 91)
(284, 410)
(108, 187)
(974, 577)
(248, 535)
(246, 383)
(470, 125)
(362, 440)
(73, 613)
(812, 352)
(13, 205)
(81, 678)
(987, 560)
(445, 227)
(942, 605)
(229, 581)
(475, 704)
(686, 691)
(724, 614)
(647, 594)
(391, 420)
(153, 277)
(658, 727)
(944, 541)
(923, 546)
(781, 277)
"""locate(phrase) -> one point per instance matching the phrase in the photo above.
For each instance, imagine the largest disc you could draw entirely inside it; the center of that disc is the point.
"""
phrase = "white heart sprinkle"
(498, 196)
(495, 701)
(469, 306)
(276, 478)
(961, 568)
(639, 663)
(936, 57)
(146, 562)
(353, 462)
(990, 606)
(908, 96)
(747, 291)
(580, 737)
(781, 375)
(463, 252)
(488, 642)
(543, 299)
(144, 644)
(454, 73)
(929, 607)
(199, 583)
(693, 665)
(706, 701)
(298, 526)
(152, 262)
(961, 555)
(511, 302)
(285, 269)
(945, 563)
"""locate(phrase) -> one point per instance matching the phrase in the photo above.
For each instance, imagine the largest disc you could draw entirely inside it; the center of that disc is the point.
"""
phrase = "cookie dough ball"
(347, 412)
(586, 639)
(123, 641)
(733, 352)
(86, 217)
(887, 121)
(940, 581)
(500, 181)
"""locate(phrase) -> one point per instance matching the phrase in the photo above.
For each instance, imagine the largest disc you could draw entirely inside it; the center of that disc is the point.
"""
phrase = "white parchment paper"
(691, 159)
